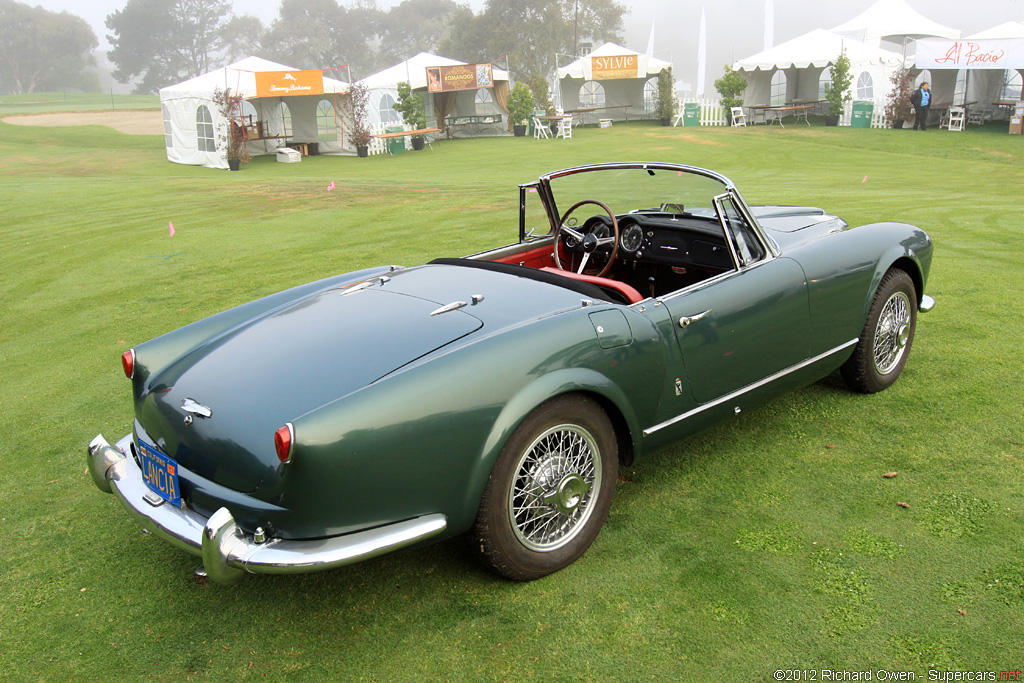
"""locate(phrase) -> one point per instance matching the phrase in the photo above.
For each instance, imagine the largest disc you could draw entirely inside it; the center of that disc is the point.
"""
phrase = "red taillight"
(283, 438)
(128, 363)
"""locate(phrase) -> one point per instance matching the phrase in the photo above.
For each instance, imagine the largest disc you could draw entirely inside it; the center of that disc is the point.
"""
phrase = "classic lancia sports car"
(496, 395)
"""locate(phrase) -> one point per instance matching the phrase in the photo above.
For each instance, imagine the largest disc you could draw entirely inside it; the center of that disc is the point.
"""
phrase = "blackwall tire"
(884, 346)
(549, 492)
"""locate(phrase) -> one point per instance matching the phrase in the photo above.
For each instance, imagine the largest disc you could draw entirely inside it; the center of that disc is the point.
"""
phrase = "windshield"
(634, 190)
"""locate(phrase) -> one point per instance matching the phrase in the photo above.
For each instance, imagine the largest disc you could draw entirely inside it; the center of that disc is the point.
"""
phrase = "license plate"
(160, 473)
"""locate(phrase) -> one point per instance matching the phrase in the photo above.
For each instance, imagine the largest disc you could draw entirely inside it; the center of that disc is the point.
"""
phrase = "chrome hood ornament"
(195, 408)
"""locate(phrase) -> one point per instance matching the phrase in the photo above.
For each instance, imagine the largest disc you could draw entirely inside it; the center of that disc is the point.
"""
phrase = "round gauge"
(632, 238)
(601, 231)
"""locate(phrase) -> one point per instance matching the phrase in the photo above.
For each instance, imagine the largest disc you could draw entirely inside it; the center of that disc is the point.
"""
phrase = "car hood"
(280, 365)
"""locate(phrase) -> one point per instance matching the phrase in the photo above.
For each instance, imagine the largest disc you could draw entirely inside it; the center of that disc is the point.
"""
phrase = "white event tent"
(609, 81)
(794, 71)
(472, 104)
(892, 22)
(195, 131)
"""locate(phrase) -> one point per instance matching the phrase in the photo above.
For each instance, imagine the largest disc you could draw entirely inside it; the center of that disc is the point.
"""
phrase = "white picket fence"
(712, 113)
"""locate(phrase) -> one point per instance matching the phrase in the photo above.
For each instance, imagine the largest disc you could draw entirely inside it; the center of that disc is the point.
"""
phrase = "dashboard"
(667, 238)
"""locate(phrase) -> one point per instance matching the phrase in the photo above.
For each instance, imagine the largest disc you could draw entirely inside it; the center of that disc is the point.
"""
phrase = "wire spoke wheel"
(553, 486)
(892, 333)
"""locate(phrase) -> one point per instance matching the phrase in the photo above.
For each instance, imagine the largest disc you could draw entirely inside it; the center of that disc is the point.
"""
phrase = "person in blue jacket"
(922, 100)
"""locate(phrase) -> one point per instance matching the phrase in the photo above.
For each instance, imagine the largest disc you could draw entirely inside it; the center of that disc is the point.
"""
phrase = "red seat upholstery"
(631, 295)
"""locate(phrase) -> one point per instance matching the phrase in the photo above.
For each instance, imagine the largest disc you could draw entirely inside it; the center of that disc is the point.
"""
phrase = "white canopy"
(195, 130)
(466, 105)
(819, 49)
(1009, 29)
(581, 69)
(892, 21)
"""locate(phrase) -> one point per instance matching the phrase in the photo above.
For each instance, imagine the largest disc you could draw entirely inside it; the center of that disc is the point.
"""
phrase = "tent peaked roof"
(1010, 29)
(652, 66)
(240, 77)
(414, 72)
(819, 48)
(893, 20)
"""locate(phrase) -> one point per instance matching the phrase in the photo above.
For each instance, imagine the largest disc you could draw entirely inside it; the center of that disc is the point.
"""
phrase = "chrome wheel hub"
(552, 493)
(892, 333)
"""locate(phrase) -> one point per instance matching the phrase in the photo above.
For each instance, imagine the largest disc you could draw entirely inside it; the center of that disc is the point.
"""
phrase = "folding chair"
(564, 127)
(976, 116)
(738, 117)
(540, 129)
(956, 118)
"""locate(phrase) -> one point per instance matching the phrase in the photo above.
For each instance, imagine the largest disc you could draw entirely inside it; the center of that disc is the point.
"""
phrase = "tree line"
(160, 42)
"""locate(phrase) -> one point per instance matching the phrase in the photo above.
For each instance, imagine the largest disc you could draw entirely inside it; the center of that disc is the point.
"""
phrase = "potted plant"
(231, 138)
(897, 106)
(729, 87)
(665, 104)
(837, 91)
(520, 106)
(410, 106)
(541, 95)
(356, 106)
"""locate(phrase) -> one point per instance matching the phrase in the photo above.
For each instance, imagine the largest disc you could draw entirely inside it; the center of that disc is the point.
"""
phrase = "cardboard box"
(1017, 125)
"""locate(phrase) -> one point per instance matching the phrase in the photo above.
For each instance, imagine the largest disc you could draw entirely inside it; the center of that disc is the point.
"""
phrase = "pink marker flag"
(331, 186)
(865, 179)
(171, 224)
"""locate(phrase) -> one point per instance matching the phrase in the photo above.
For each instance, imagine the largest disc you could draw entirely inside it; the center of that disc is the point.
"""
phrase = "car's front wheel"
(884, 345)
(550, 490)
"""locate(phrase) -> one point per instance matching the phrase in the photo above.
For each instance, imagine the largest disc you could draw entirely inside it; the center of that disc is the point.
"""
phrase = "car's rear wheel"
(884, 345)
(550, 490)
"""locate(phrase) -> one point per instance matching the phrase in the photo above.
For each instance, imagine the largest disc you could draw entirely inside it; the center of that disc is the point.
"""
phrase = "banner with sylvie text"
(459, 77)
(614, 67)
(934, 53)
(289, 83)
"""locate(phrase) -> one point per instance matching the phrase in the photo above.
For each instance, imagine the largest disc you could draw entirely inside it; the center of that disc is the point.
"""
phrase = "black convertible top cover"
(584, 288)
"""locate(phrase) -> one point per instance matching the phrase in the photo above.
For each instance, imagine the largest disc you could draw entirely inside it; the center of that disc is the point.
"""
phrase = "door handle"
(686, 320)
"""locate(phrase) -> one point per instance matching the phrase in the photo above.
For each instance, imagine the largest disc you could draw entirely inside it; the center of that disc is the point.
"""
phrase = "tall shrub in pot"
(730, 86)
(520, 106)
(356, 105)
(837, 91)
(897, 106)
(666, 104)
(410, 106)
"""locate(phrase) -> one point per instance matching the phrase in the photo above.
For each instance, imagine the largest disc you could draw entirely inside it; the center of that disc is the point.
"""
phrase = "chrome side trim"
(750, 387)
(227, 551)
(453, 306)
(927, 304)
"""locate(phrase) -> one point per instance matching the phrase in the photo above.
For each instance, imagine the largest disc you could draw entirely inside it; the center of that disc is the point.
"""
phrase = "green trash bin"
(691, 114)
(862, 111)
(395, 145)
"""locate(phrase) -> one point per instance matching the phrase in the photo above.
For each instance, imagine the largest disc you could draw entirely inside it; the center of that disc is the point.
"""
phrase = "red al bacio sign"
(289, 83)
(459, 77)
(934, 53)
(611, 68)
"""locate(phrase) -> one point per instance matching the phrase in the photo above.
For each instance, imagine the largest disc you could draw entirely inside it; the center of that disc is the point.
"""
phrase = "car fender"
(911, 254)
(544, 388)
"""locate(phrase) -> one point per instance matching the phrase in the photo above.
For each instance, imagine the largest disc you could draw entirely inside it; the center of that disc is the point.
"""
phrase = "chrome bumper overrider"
(927, 304)
(227, 551)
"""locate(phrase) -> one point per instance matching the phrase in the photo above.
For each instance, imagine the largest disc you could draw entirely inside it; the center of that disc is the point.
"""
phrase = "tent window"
(387, 110)
(484, 100)
(286, 120)
(778, 88)
(249, 115)
(823, 80)
(960, 91)
(1012, 82)
(923, 77)
(865, 87)
(651, 95)
(326, 127)
(168, 138)
(204, 130)
(592, 94)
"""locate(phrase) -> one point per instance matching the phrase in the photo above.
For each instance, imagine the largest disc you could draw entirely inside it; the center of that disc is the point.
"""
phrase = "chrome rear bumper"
(227, 551)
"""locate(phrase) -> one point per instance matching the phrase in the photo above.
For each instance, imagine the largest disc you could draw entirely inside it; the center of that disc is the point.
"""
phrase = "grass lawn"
(771, 542)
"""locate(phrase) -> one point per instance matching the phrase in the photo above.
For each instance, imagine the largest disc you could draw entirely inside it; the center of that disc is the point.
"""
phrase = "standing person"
(922, 100)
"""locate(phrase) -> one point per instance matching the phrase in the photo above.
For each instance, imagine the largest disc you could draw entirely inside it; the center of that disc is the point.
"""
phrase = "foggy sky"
(735, 27)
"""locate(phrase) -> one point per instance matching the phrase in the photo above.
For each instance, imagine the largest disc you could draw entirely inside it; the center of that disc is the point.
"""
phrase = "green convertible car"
(496, 395)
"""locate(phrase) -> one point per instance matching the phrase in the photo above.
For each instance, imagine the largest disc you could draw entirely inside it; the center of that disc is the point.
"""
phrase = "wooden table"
(781, 112)
(585, 111)
(406, 133)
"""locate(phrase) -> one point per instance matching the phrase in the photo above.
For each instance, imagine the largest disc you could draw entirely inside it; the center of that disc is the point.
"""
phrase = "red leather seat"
(630, 294)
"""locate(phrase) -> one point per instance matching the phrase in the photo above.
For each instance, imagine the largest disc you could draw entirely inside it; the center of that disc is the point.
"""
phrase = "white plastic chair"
(540, 129)
(738, 117)
(976, 116)
(564, 127)
(677, 120)
(956, 118)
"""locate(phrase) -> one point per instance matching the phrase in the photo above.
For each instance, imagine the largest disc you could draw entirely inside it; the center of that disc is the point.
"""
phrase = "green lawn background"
(770, 542)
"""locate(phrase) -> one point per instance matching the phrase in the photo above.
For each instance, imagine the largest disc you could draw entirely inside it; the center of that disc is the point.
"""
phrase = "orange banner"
(459, 77)
(289, 83)
(611, 68)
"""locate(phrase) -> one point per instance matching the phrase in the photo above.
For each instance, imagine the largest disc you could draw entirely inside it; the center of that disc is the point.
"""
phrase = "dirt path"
(126, 121)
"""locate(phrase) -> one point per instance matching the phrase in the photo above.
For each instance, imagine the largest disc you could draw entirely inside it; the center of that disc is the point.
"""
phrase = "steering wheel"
(589, 241)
